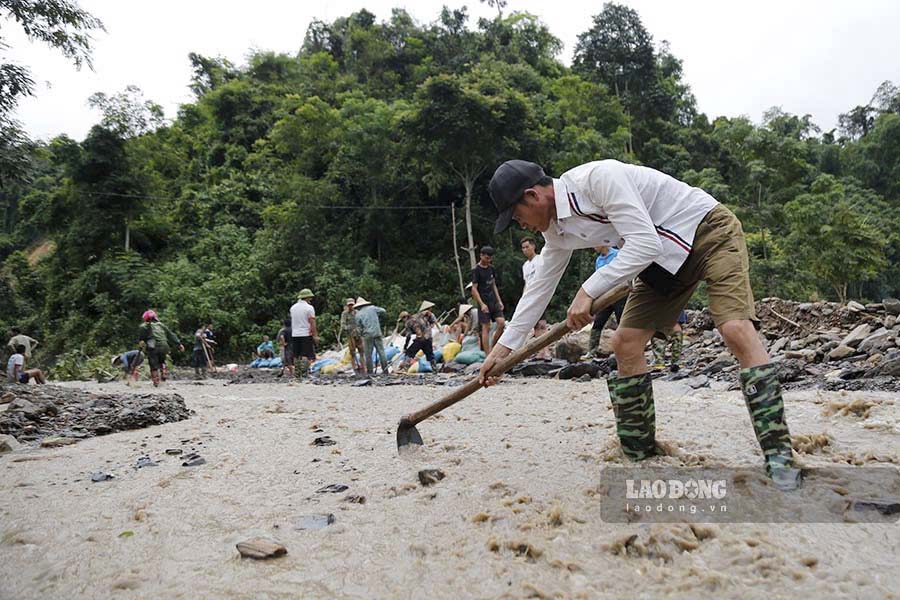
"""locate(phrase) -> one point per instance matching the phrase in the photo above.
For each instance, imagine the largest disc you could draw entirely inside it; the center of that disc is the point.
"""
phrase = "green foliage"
(335, 169)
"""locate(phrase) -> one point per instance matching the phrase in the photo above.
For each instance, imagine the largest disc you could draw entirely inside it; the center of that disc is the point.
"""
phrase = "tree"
(127, 114)
(835, 235)
(60, 24)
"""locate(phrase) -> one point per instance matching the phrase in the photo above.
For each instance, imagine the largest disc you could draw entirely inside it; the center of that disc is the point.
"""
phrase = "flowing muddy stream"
(517, 513)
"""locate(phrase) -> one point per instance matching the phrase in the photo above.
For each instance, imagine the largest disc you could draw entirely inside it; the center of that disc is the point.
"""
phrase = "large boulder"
(891, 305)
(855, 337)
(8, 443)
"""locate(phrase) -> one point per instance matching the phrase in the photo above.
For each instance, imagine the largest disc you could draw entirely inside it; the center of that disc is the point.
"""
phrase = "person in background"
(354, 341)
(605, 255)
(158, 340)
(487, 297)
(674, 343)
(266, 349)
(420, 325)
(16, 371)
(303, 332)
(129, 361)
(368, 323)
(465, 324)
(202, 354)
(283, 341)
(533, 260)
(20, 339)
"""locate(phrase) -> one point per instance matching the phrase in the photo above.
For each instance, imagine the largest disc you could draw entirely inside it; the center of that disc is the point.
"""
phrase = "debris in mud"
(334, 488)
(102, 476)
(56, 442)
(174, 451)
(260, 548)
(430, 476)
(323, 441)
(145, 461)
(885, 507)
(660, 541)
(809, 443)
(36, 412)
(313, 522)
(193, 460)
(355, 499)
(859, 407)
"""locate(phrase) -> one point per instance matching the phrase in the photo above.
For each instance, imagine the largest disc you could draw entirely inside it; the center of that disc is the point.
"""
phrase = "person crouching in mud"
(674, 237)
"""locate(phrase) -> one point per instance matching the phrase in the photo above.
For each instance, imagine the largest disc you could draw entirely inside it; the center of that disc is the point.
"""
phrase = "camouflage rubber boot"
(659, 353)
(301, 369)
(762, 393)
(677, 343)
(632, 400)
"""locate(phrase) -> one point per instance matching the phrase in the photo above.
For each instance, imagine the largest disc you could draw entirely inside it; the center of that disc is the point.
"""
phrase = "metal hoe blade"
(407, 434)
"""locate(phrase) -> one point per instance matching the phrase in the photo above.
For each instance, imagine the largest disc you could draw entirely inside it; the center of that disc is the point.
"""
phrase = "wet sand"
(517, 514)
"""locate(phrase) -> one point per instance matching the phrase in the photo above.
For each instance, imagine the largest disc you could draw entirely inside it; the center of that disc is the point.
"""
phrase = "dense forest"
(350, 166)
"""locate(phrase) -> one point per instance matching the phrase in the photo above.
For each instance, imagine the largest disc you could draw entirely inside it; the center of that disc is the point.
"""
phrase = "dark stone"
(174, 451)
(885, 507)
(430, 476)
(323, 441)
(144, 461)
(790, 369)
(538, 368)
(193, 460)
(889, 368)
(101, 476)
(334, 488)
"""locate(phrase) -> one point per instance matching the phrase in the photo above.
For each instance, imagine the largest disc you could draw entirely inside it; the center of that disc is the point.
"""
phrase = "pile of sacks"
(807, 340)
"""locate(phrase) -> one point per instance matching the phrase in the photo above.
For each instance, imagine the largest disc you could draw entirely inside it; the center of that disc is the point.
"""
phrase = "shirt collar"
(561, 197)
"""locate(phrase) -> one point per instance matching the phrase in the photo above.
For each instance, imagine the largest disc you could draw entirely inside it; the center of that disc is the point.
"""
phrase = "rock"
(790, 370)
(355, 499)
(888, 368)
(102, 476)
(885, 507)
(808, 354)
(430, 476)
(174, 451)
(261, 548)
(334, 488)
(697, 382)
(842, 351)
(8, 443)
(854, 306)
(890, 321)
(570, 351)
(24, 406)
(891, 306)
(875, 340)
(779, 344)
(193, 460)
(323, 441)
(56, 442)
(312, 522)
(6, 397)
(855, 337)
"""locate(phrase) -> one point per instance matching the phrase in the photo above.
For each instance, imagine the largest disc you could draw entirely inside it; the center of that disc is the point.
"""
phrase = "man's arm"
(34, 343)
(497, 292)
(312, 326)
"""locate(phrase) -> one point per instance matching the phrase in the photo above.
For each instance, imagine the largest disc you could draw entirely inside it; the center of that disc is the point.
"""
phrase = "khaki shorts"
(719, 257)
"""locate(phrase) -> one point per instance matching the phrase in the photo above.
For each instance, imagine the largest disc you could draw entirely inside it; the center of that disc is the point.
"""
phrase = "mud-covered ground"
(516, 515)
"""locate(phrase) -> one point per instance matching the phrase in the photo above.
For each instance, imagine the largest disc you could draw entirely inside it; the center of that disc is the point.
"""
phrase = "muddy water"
(517, 514)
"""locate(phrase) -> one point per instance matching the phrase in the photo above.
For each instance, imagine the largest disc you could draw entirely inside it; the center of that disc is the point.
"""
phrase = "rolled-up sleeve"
(536, 296)
(613, 192)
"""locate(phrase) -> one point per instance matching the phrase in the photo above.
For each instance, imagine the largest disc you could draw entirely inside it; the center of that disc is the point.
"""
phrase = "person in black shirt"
(486, 294)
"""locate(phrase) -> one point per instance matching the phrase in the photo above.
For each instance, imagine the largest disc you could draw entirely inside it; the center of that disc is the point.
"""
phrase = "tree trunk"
(469, 182)
(127, 234)
(462, 288)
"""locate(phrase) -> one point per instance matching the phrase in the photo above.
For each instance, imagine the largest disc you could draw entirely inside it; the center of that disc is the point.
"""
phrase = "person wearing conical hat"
(354, 340)
(303, 332)
(466, 323)
(420, 325)
(368, 320)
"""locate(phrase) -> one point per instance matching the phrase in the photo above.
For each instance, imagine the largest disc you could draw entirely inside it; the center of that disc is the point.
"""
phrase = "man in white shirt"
(674, 236)
(303, 332)
(533, 260)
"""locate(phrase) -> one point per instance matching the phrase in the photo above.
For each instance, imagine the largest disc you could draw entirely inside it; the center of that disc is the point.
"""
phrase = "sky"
(740, 58)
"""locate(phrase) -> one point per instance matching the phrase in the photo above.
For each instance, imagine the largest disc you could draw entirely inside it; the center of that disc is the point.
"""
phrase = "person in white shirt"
(303, 332)
(672, 237)
(533, 260)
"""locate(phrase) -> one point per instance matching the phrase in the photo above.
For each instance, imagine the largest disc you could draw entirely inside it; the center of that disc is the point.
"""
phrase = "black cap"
(509, 181)
(487, 250)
